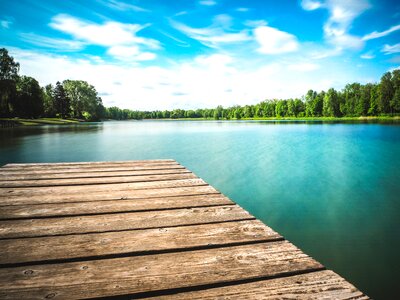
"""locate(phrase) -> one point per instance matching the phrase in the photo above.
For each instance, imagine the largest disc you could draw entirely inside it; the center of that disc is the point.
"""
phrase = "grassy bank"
(40, 121)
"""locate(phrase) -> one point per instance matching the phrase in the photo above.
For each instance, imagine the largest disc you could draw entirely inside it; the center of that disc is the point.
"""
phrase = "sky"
(168, 54)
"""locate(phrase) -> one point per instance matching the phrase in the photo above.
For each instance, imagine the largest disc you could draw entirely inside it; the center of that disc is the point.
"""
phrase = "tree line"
(354, 100)
(22, 96)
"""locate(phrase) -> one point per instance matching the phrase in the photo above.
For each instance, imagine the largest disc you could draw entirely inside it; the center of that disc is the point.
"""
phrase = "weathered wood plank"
(182, 188)
(87, 163)
(116, 222)
(5, 177)
(95, 180)
(121, 276)
(186, 179)
(87, 166)
(4, 172)
(316, 285)
(113, 206)
(133, 242)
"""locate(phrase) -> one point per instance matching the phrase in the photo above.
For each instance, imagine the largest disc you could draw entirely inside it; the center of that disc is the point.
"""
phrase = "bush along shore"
(72, 101)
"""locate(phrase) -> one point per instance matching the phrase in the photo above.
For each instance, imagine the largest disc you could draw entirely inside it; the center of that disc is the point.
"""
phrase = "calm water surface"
(331, 189)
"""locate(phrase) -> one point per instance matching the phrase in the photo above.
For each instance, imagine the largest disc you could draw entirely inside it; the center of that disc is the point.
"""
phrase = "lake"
(332, 189)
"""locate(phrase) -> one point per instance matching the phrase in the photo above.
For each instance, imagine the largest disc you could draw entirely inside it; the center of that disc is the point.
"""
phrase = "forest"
(23, 97)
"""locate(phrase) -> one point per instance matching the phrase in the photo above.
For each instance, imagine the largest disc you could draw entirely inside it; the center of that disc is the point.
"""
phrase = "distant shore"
(14, 122)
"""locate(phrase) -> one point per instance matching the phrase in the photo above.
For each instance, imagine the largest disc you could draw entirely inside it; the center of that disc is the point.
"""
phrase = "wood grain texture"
(121, 276)
(137, 241)
(316, 285)
(89, 164)
(180, 188)
(116, 222)
(22, 176)
(111, 206)
(136, 182)
(5, 172)
(96, 180)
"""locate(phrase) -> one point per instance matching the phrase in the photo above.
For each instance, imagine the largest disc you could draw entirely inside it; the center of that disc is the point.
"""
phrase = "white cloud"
(118, 5)
(242, 9)
(368, 55)
(130, 53)
(303, 67)
(5, 24)
(208, 2)
(310, 4)
(342, 13)
(255, 23)
(110, 34)
(390, 49)
(60, 44)
(274, 41)
(107, 34)
(376, 34)
(214, 35)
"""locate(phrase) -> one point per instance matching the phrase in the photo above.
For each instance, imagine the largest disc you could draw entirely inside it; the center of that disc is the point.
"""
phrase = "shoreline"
(17, 122)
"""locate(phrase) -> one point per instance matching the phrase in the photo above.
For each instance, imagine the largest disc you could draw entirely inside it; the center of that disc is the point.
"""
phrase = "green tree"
(48, 101)
(386, 93)
(29, 100)
(83, 97)
(309, 103)
(281, 108)
(61, 100)
(8, 82)
(330, 105)
(374, 100)
(395, 102)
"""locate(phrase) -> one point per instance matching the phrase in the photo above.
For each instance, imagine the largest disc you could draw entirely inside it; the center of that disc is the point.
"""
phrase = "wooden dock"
(142, 229)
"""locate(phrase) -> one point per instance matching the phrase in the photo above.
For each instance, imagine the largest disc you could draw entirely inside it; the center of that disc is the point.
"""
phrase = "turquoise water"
(331, 189)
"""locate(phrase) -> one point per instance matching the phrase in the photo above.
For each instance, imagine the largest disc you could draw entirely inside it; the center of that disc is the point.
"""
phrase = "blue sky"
(164, 54)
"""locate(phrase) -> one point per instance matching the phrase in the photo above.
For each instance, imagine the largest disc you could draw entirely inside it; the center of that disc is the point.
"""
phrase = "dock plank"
(27, 166)
(316, 285)
(117, 222)
(110, 206)
(5, 172)
(133, 242)
(89, 163)
(96, 180)
(132, 275)
(22, 176)
(183, 188)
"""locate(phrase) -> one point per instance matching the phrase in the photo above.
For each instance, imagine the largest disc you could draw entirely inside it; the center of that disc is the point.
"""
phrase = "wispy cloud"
(120, 38)
(310, 4)
(390, 49)
(342, 13)
(216, 34)
(303, 67)
(275, 41)
(208, 2)
(54, 43)
(118, 5)
(5, 24)
(108, 34)
(368, 55)
(130, 53)
(242, 9)
(376, 34)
